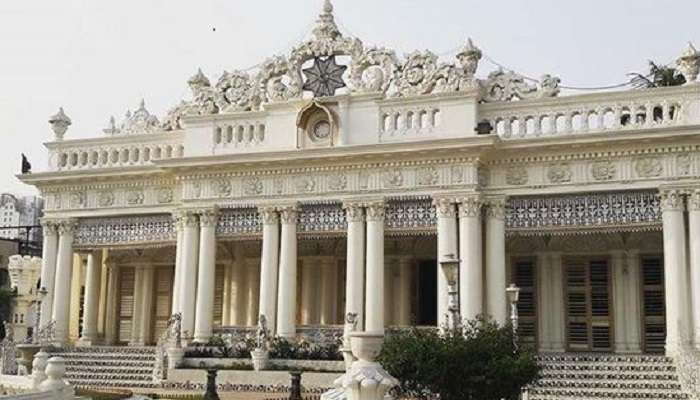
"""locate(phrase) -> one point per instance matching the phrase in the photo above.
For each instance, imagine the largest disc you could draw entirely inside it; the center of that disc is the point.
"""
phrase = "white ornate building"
(333, 178)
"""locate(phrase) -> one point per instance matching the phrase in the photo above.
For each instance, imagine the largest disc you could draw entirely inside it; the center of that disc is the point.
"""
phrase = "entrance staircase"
(596, 376)
(109, 367)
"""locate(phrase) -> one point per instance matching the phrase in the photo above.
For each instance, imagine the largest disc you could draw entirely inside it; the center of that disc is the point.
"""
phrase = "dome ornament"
(324, 77)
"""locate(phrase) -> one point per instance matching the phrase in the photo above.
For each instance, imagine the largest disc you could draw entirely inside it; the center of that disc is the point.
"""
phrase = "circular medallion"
(321, 130)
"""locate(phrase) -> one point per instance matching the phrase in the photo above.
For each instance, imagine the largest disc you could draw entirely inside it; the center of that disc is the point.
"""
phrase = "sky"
(100, 58)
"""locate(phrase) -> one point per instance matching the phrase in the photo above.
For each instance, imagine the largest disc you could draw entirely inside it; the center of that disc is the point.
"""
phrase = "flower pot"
(261, 359)
(366, 345)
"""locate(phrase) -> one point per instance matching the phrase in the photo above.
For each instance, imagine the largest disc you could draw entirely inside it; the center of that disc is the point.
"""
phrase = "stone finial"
(468, 57)
(689, 63)
(60, 123)
(325, 25)
(199, 80)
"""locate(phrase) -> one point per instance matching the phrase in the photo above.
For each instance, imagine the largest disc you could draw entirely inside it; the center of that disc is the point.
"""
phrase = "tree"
(658, 76)
(478, 362)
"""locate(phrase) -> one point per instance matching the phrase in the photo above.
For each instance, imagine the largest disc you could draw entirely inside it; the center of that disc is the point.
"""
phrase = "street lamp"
(513, 293)
(450, 267)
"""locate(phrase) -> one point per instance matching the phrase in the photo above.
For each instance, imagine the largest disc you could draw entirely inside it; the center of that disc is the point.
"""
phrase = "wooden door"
(163, 300)
(654, 306)
(127, 276)
(588, 305)
(523, 276)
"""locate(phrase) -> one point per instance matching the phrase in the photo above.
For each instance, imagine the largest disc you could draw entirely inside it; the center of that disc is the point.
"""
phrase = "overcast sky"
(99, 58)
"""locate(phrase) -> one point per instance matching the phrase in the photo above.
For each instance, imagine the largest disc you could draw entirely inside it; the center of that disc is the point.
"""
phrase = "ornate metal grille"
(322, 218)
(417, 214)
(125, 230)
(585, 210)
(241, 221)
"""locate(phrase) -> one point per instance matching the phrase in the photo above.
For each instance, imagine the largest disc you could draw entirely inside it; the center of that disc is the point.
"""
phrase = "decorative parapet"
(594, 113)
(115, 151)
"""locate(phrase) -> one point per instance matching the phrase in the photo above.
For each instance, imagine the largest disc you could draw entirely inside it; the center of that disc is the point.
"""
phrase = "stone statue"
(262, 333)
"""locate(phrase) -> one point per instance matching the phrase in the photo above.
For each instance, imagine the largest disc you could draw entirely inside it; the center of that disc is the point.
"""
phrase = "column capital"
(445, 206)
(376, 210)
(672, 200)
(268, 215)
(470, 206)
(288, 214)
(66, 226)
(208, 217)
(496, 207)
(185, 218)
(354, 211)
(49, 227)
(694, 200)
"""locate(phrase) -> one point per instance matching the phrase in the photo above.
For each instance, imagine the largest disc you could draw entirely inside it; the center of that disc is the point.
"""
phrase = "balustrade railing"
(118, 151)
(594, 113)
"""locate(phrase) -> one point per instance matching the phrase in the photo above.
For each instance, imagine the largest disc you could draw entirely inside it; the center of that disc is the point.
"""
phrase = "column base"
(85, 342)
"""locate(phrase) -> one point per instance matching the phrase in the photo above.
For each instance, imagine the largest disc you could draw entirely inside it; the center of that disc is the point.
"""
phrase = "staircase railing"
(171, 337)
(44, 337)
(8, 351)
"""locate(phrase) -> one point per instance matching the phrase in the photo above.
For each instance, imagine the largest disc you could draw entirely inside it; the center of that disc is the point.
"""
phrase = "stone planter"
(261, 359)
(366, 345)
(26, 357)
(175, 357)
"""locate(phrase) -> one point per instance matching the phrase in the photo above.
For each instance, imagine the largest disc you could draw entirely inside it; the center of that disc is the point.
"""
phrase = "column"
(674, 267)
(188, 280)
(496, 306)
(403, 296)
(238, 293)
(618, 269)
(136, 315)
(633, 303)
(544, 302)
(446, 248)
(471, 282)
(374, 311)
(93, 278)
(287, 299)
(269, 262)
(355, 267)
(557, 320)
(253, 293)
(48, 269)
(226, 296)
(694, 253)
(179, 229)
(112, 312)
(389, 291)
(329, 291)
(146, 307)
(64, 269)
(204, 319)
(102, 306)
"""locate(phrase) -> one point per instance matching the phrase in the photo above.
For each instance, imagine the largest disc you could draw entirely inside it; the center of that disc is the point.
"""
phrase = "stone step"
(104, 375)
(607, 366)
(110, 363)
(106, 356)
(604, 357)
(587, 384)
(606, 375)
(111, 383)
(591, 394)
(110, 369)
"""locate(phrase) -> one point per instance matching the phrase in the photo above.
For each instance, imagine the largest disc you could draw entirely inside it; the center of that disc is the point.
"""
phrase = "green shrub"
(289, 349)
(478, 362)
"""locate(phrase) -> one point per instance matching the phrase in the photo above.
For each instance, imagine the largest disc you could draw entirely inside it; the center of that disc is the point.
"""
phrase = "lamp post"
(513, 293)
(450, 267)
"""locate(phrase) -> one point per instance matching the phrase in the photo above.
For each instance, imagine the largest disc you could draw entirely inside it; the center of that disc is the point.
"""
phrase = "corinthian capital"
(208, 217)
(376, 211)
(67, 226)
(353, 212)
(268, 215)
(694, 200)
(445, 207)
(672, 200)
(49, 227)
(496, 208)
(185, 218)
(470, 206)
(288, 214)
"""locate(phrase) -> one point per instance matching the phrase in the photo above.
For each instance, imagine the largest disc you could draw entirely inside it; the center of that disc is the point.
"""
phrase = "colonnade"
(459, 233)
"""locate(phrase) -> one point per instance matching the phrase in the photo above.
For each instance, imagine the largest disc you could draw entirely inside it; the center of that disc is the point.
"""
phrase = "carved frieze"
(559, 173)
(516, 175)
(252, 186)
(134, 197)
(648, 167)
(393, 178)
(603, 170)
(105, 198)
(427, 176)
(164, 195)
(337, 181)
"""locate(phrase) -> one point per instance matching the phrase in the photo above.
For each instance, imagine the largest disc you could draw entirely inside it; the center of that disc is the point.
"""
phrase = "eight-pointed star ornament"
(324, 77)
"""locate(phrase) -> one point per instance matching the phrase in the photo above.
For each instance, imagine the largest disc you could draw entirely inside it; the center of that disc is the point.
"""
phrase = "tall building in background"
(17, 212)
